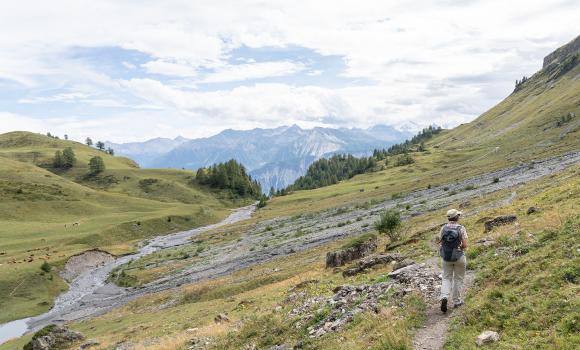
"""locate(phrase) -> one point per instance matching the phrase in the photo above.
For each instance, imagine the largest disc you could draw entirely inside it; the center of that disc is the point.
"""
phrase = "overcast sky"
(126, 70)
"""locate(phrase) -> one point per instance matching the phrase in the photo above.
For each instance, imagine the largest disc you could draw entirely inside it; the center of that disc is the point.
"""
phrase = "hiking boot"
(444, 304)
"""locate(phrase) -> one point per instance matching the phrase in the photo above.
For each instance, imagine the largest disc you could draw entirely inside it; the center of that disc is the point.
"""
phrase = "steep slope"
(51, 215)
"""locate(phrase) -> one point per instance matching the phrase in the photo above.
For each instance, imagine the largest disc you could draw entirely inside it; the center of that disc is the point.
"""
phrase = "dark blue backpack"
(450, 243)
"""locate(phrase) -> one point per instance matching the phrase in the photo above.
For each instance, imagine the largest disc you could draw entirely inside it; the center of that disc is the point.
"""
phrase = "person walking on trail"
(453, 242)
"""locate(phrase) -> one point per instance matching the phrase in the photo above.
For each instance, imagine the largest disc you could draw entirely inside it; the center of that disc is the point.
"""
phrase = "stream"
(89, 294)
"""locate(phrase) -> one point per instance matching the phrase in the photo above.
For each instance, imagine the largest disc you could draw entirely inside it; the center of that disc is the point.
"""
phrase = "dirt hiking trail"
(434, 332)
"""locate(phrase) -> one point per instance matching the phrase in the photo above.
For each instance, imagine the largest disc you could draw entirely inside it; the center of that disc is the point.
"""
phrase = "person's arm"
(439, 236)
(464, 239)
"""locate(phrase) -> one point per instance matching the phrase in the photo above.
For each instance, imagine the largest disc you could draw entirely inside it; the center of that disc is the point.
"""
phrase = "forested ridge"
(231, 176)
(329, 171)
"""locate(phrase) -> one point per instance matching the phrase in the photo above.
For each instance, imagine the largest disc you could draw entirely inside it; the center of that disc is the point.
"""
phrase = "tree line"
(100, 145)
(329, 171)
(231, 176)
(325, 172)
(416, 143)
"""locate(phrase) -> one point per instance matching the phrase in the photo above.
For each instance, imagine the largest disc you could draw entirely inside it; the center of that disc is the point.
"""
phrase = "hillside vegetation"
(48, 214)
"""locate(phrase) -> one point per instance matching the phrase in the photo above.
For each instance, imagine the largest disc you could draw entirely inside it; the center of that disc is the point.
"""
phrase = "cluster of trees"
(231, 176)
(100, 145)
(416, 143)
(519, 83)
(324, 172)
(64, 159)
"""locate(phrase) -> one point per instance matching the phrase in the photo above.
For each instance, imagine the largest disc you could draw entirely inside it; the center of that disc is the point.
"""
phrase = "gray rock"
(89, 343)
(487, 337)
(221, 318)
(532, 210)
(499, 221)
(341, 257)
(371, 261)
(52, 337)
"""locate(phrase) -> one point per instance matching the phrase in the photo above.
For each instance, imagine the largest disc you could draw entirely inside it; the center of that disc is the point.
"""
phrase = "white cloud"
(248, 71)
(170, 68)
(428, 61)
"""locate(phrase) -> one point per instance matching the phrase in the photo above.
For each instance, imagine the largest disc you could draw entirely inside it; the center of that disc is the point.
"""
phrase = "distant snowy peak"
(275, 157)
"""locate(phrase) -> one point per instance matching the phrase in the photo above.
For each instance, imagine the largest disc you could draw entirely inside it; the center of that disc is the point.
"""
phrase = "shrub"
(263, 201)
(495, 180)
(45, 267)
(389, 223)
(404, 159)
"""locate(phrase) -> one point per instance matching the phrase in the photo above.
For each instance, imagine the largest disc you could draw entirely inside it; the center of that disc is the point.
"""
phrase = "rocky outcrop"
(561, 53)
(349, 300)
(88, 260)
(343, 256)
(371, 261)
(486, 337)
(53, 337)
(499, 221)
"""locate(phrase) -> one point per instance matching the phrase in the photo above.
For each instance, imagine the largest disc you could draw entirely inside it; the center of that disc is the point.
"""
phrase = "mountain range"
(275, 157)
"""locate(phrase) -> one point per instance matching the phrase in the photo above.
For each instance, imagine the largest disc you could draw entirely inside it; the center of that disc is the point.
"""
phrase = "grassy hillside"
(39, 205)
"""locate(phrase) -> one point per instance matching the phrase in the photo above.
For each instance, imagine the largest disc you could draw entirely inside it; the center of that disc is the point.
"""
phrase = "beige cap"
(453, 213)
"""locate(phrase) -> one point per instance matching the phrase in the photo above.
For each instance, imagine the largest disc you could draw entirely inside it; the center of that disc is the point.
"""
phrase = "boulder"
(487, 337)
(499, 221)
(371, 261)
(53, 337)
(221, 318)
(343, 256)
(532, 210)
(89, 343)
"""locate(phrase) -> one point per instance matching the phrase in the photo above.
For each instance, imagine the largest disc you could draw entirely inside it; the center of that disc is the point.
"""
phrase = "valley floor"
(272, 285)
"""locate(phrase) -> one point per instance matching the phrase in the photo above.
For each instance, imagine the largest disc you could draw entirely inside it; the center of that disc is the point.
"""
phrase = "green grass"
(529, 294)
(359, 240)
(38, 207)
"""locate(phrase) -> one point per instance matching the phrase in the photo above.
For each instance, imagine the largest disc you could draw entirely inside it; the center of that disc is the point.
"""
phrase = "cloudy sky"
(125, 70)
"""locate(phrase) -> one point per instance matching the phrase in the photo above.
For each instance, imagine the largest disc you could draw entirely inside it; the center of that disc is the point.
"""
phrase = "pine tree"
(89, 142)
(111, 151)
(100, 145)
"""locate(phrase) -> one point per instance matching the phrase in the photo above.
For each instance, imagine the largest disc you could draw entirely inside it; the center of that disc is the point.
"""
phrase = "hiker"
(453, 242)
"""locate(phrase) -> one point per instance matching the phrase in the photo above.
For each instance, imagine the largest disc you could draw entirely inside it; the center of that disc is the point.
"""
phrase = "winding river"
(89, 294)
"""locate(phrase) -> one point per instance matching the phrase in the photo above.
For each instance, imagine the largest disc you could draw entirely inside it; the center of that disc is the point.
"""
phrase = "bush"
(495, 180)
(389, 223)
(45, 267)
(404, 159)
(263, 202)
(96, 165)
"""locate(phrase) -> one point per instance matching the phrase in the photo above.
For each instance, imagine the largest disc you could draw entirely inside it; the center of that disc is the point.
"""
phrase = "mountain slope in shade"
(275, 157)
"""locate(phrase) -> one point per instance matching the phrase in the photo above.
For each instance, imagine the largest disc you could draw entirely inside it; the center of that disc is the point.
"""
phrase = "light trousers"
(453, 275)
